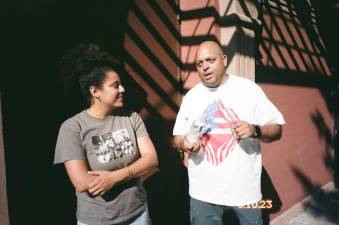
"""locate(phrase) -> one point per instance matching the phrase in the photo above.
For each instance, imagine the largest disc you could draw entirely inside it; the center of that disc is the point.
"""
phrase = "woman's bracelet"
(130, 174)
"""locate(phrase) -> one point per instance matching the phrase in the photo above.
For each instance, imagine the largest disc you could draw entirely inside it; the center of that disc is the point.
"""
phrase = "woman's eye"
(115, 86)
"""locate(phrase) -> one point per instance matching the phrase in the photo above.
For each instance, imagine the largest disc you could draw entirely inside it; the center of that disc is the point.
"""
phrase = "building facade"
(287, 47)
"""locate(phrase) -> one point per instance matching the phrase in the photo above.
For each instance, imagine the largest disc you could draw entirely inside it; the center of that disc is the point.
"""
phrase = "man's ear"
(224, 59)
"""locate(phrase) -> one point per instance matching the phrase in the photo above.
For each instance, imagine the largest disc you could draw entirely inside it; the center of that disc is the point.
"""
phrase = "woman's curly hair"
(85, 66)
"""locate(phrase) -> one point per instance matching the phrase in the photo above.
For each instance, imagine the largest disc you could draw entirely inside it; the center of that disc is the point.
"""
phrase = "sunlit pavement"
(321, 210)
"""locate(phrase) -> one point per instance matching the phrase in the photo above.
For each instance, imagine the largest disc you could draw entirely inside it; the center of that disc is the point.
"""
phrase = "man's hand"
(191, 147)
(186, 146)
(243, 130)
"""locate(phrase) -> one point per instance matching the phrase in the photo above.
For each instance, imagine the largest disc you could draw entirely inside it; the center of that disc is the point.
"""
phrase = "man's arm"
(269, 132)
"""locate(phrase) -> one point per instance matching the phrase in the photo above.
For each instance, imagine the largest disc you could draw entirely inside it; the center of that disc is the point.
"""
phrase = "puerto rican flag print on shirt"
(219, 140)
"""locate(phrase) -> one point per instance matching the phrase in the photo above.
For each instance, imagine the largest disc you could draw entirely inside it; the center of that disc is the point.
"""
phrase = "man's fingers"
(241, 129)
(241, 133)
(188, 146)
(237, 124)
(187, 150)
(243, 136)
(191, 147)
(196, 147)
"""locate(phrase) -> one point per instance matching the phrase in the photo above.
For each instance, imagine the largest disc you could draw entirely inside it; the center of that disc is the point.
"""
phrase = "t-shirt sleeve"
(181, 126)
(69, 145)
(265, 112)
(139, 126)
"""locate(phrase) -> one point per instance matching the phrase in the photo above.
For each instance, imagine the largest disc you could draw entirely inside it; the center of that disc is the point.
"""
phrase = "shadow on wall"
(297, 45)
(324, 204)
(305, 35)
(34, 108)
(325, 134)
(33, 102)
(325, 13)
(269, 194)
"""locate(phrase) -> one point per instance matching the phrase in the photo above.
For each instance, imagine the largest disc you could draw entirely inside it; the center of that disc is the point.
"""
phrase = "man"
(224, 165)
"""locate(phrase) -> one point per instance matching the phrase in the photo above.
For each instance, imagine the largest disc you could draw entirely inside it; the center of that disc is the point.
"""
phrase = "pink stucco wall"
(195, 27)
(298, 163)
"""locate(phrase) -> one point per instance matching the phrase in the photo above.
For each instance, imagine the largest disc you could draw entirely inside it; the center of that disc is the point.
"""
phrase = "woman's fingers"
(94, 183)
(93, 189)
(97, 192)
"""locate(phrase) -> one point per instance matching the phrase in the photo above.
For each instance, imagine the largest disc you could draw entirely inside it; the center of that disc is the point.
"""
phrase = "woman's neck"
(98, 112)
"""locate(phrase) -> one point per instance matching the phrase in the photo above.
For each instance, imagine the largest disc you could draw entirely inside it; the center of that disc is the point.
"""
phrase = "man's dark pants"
(203, 213)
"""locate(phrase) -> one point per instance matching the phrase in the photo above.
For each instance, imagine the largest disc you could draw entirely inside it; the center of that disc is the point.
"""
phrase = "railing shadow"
(300, 58)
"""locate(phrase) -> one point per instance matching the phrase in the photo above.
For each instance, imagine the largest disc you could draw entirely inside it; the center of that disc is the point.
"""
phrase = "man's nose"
(205, 66)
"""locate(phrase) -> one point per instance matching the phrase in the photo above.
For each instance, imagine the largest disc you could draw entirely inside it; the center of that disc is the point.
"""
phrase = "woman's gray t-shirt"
(105, 144)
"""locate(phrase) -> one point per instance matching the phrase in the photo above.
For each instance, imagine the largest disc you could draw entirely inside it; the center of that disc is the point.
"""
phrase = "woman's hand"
(105, 181)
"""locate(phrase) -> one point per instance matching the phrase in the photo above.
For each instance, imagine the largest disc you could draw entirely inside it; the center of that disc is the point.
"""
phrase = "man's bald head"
(212, 45)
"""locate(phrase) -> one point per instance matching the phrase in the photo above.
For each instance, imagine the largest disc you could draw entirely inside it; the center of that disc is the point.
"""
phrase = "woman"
(105, 148)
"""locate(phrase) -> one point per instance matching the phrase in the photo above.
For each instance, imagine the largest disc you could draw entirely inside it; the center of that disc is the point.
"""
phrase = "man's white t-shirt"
(226, 171)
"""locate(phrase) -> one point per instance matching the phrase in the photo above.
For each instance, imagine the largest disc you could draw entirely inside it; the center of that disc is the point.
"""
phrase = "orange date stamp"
(262, 204)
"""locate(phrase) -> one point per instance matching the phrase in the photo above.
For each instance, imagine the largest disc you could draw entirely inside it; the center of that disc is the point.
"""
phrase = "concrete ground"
(322, 209)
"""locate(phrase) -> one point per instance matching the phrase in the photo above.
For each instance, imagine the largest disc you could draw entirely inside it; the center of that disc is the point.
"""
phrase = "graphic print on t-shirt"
(219, 141)
(113, 145)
